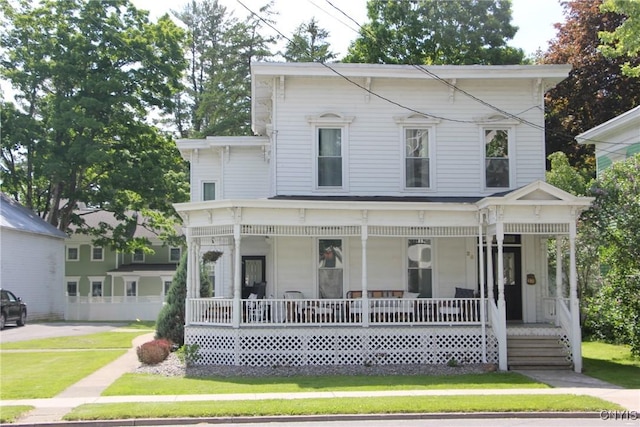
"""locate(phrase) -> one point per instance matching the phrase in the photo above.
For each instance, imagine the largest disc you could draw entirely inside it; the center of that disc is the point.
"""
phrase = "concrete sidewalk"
(89, 390)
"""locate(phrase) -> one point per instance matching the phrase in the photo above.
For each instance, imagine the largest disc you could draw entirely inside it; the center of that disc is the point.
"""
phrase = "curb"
(312, 418)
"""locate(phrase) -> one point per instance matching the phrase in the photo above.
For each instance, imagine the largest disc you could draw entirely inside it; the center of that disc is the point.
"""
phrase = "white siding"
(246, 174)
(32, 267)
(239, 173)
(205, 167)
(375, 147)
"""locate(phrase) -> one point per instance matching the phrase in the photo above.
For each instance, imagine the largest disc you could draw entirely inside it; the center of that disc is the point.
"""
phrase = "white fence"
(381, 311)
(118, 308)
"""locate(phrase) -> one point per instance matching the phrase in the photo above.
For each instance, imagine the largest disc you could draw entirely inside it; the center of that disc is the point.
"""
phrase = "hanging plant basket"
(211, 256)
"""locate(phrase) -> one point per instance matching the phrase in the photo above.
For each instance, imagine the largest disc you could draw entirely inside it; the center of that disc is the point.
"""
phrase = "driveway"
(33, 331)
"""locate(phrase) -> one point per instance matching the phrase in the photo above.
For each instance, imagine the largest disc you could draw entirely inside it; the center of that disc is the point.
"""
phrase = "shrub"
(189, 353)
(154, 352)
(170, 324)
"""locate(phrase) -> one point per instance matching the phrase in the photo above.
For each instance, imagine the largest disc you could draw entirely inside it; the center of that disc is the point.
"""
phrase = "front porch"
(419, 252)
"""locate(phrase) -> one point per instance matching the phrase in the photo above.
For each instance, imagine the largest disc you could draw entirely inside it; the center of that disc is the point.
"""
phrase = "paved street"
(34, 331)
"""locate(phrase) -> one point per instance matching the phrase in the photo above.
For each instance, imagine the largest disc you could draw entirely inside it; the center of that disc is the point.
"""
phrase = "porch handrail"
(340, 312)
(564, 316)
(499, 327)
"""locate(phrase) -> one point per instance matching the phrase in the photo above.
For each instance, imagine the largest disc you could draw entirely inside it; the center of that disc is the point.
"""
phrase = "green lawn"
(42, 374)
(141, 384)
(611, 363)
(370, 405)
(99, 340)
(9, 414)
(32, 371)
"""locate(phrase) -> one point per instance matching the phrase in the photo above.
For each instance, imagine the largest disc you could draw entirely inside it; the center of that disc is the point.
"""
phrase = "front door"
(253, 272)
(512, 280)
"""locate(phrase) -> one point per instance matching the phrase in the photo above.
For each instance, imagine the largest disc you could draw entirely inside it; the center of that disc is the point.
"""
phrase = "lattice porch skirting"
(340, 346)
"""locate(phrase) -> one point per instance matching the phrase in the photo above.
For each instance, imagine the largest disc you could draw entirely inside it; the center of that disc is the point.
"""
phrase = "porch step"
(536, 352)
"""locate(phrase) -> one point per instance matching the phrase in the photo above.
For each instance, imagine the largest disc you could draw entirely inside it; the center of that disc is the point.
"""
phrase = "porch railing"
(337, 312)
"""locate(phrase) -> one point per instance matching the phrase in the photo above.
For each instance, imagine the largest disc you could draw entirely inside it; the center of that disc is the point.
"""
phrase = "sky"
(535, 18)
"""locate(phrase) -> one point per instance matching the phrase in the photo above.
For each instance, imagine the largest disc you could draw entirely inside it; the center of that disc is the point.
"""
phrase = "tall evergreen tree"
(308, 44)
(218, 82)
(436, 32)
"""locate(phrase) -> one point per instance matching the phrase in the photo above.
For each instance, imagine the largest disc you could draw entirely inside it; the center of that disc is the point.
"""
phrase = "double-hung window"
(174, 254)
(138, 255)
(416, 143)
(329, 157)
(330, 162)
(496, 157)
(97, 253)
(73, 253)
(417, 139)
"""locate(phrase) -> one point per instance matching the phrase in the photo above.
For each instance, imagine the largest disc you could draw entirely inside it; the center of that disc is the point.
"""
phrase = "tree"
(217, 98)
(308, 44)
(571, 180)
(170, 323)
(615, 218)
(595, 90)
(87, 76)
(436, 32)
(625, 39)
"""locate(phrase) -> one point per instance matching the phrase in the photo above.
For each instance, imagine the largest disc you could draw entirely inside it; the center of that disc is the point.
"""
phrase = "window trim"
(434, 286)
(498, 121)
(101, 252)
(179, 254)
(94, 279)
(133, 257)
(66, 253)
(344, 244)
(510, 155)
(418, 121)
(330, 120)
(130, 279)
(72, 279)
(430, 158)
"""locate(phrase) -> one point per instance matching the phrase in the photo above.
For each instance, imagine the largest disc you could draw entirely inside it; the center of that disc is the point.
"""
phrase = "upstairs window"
(208, 191)
(97, 253)
(329, 157)
(496, 157)
(416, 142)
(73, 253)
(330, 133)
(175, 254)
(138, 255)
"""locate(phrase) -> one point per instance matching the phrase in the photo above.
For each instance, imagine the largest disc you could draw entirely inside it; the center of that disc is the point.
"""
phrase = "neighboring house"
(614, 140)
(31, 260)
(104, 284)
(363, 211)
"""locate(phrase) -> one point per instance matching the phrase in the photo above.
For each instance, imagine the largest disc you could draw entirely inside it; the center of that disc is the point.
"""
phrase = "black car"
(13, 309)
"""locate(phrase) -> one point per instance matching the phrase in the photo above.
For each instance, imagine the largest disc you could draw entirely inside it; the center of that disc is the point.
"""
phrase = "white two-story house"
(383, 214)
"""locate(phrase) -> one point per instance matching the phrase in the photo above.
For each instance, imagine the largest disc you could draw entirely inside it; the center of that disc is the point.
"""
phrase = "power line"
(481, 101)
(433, 75)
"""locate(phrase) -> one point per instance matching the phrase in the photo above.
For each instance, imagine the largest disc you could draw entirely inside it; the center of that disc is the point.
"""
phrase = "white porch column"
(576, 335)
(189, 284)
(237, 276)
(559, 291)
(502, 310)
(490, 278)
(365, 299)
(483, 314)
(195, 291)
